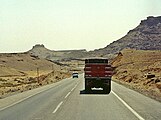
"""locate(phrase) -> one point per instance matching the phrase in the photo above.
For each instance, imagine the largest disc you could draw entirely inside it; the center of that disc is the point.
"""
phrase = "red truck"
(98, 74)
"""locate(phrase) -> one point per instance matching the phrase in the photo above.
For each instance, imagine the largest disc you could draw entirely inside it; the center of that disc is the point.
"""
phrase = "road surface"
(68, 101)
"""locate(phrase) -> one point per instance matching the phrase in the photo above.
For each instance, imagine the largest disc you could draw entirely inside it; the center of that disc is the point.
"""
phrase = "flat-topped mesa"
(150, 21)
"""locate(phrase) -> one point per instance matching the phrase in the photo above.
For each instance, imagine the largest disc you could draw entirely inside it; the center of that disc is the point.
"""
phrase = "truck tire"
(87, 88)
(107, 88)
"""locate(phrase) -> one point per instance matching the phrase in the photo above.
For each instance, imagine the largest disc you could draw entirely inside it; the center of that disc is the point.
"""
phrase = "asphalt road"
(68, 101)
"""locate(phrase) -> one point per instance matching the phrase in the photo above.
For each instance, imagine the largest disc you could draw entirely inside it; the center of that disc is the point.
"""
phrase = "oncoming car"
(75, 74)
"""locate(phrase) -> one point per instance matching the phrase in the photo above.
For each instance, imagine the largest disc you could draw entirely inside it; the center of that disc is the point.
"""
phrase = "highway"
(67, 100)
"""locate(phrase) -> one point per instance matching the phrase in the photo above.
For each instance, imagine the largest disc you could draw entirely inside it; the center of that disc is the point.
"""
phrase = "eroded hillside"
(22, 71)
(42, 52)
(146, 36)
(140, 70)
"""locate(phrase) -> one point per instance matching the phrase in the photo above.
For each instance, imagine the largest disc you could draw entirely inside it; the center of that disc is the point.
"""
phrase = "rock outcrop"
(42, 52)
(146, 36)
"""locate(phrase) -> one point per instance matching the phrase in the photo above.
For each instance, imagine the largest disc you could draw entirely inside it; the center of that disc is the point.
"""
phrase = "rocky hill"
(146, 36)
(42, 52)
(139, 69)
(22, 71)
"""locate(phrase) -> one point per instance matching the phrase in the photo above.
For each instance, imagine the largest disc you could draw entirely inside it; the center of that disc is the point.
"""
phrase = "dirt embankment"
(140, 70)
(21, 72)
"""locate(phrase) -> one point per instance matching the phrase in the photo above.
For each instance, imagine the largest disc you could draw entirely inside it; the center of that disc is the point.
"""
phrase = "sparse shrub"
(7, 84)
(2, 80)
(31, 79)
(124, 71)
(150, 76)
(9, 56)
(129, 79)
(20, 60)
(13, 90)
(157, 80)
(158, 86)
(17, 79)
(40, 84)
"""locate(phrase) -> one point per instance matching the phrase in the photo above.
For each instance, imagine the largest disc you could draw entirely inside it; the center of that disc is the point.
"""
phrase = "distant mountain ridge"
(146, 36)
(41, 51)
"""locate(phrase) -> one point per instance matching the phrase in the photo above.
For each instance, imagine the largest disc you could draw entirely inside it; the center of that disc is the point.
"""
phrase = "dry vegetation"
(21, 72)
(140, 70)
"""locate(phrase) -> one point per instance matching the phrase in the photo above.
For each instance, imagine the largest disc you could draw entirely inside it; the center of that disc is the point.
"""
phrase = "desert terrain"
(22, 71)
(139, 70)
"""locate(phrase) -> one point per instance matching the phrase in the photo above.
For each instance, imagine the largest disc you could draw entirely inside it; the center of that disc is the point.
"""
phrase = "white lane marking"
(132, 110)
(64, 97)
(1, 109)
(77, 84)
(67, 94)
(58, 106)
(23, 99)
(73, 88)
(36, 118)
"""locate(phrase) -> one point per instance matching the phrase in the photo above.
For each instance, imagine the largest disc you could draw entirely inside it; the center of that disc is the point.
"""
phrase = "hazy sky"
(69, 24)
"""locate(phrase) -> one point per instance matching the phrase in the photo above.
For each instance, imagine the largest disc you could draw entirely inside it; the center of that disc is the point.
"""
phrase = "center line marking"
(58, 107)
(132, 110)
(67, 94)
(72, 89)
(75, 86)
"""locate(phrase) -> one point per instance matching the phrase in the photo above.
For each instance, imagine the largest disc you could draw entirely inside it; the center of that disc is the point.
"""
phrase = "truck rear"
(98, 74)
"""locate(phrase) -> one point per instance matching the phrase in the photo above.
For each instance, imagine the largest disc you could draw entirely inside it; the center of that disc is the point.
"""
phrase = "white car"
(75, 75)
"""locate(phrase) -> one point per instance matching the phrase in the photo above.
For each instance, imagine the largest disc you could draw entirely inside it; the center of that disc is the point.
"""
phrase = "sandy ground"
(140, 70)
(20, 72)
